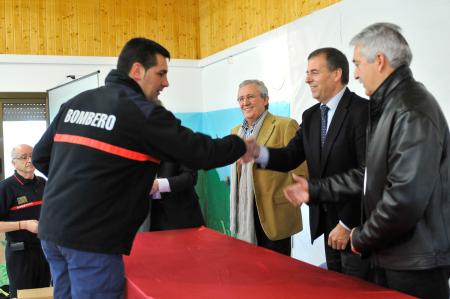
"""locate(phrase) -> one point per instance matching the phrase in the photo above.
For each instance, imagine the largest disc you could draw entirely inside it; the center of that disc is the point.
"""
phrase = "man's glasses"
(249, 97)
(23, 157)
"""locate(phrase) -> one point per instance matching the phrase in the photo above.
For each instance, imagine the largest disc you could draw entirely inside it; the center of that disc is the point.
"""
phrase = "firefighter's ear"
(137, 72)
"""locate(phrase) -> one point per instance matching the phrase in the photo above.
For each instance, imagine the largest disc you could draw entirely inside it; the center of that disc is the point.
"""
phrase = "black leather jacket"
(406, 202)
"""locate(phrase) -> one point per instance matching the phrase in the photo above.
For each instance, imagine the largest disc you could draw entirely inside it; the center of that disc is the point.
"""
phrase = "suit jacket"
(343, 149)
(278, 218)
(180, 207)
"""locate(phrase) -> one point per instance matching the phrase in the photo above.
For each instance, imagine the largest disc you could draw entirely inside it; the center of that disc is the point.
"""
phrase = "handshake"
(296, 193)
(253, 150)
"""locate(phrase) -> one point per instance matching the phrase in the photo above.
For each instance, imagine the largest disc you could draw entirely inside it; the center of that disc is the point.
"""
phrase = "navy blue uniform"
(100, 153)
(21, 199)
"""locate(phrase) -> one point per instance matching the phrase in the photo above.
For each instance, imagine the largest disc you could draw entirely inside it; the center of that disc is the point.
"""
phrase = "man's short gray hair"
(260, 84)
(13, 152)
(384, 38)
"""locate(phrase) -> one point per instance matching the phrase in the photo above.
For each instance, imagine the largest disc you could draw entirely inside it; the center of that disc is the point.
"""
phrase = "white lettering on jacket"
(87, 118)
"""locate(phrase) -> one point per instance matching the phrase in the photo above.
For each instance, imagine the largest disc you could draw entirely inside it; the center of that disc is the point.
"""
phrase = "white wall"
(425, 25)
(184, 93)
(37, 73)
(268, 62)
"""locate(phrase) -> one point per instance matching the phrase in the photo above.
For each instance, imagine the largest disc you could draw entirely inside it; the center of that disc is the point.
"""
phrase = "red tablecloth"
(202, 263)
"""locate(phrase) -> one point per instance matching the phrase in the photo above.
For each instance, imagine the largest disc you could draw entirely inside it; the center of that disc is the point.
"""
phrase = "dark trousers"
(345, 261)
(26, 269)
(161, 218)
(282, 246)
(84, 275)
(431, 283)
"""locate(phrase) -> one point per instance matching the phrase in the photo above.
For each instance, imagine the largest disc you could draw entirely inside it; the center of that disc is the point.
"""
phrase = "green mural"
(214, 197)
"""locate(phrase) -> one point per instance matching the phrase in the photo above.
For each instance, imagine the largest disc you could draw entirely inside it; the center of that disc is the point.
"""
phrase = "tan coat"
(278, 218)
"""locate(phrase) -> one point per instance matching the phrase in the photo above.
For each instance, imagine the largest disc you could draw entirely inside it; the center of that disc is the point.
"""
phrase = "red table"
(202, 263)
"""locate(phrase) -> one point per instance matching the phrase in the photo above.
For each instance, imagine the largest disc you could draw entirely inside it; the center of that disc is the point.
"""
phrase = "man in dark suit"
(331, 139)
(174, 202)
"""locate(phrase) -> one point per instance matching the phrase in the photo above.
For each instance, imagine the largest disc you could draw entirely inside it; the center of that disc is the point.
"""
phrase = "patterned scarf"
(242, 196)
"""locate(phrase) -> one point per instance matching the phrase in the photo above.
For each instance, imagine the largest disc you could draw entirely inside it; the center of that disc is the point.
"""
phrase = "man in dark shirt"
(20, 205)
(99, 154)
(174, 202)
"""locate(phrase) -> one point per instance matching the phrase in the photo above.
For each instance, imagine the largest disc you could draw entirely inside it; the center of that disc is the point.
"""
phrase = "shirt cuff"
(156, 195)
(163, 185)
(263, 157)
(344, 226)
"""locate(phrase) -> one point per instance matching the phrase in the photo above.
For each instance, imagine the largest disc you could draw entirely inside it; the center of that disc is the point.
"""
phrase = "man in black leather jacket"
(405, 185)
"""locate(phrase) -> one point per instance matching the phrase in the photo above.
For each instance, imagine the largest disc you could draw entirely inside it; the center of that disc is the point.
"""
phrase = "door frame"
(17, 98)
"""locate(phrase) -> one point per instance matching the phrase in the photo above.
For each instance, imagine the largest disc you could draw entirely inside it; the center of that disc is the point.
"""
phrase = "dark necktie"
(323, 123)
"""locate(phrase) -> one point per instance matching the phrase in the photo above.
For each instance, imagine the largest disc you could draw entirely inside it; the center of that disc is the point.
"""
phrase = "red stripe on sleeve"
(105, 147)
(27, 205)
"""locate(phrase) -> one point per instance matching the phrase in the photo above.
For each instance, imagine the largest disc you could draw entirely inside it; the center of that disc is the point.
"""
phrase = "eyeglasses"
(249, 97)
(23, 157)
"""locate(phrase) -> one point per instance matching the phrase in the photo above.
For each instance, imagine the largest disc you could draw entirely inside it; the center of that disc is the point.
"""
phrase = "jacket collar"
(379, 98)
(267, 128)
(23, 181)
(118, 77)
(334, 129)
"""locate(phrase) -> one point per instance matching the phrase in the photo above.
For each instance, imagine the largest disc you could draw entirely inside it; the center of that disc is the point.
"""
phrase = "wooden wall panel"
(229, 22)
(9, 25)
(34, 27)
(2, 27)
(190, 29)
(96, 27)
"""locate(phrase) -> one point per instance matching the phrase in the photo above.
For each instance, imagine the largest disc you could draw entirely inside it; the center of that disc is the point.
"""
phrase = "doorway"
(23, 119)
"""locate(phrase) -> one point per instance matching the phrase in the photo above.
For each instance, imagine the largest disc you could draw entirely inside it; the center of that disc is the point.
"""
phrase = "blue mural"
(219, 123)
